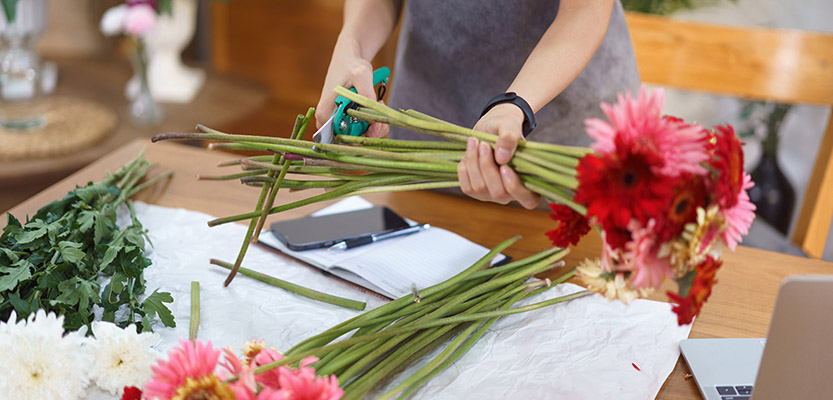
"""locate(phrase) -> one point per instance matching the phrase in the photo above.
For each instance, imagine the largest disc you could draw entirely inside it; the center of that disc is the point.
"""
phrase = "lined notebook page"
(425, 259)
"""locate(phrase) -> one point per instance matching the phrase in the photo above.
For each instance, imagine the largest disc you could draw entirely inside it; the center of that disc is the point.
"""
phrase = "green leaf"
(22, 307)
(78, 291)
(117, 282)
(90, 192)
(109, 255)
(71, 251)
(103, 228)
(15, 275)
(86, 219)
(12, 257)
(154, 304)
(34, 231)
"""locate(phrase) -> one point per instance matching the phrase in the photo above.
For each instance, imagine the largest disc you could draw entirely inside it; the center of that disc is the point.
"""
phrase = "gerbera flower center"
(205, 388)
(629, 178)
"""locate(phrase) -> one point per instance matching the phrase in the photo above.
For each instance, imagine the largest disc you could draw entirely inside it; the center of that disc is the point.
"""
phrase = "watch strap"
(512, 97)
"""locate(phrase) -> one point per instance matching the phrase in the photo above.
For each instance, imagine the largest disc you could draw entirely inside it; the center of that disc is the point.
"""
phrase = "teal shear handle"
(344, 124)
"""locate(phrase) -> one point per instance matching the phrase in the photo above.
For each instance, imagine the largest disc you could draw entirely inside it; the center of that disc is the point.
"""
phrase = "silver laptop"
(794, 362)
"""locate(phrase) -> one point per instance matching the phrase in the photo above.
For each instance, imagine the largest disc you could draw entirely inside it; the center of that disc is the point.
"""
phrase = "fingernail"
(485, 149)
(472, 143)
(504, 171)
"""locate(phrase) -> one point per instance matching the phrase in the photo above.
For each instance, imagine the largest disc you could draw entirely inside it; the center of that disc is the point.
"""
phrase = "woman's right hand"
(348, 69)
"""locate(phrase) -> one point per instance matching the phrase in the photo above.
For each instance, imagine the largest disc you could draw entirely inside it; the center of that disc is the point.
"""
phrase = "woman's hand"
(483, 174)
(348, 69)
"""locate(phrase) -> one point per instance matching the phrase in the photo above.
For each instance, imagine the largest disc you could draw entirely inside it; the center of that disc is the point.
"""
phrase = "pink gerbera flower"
(647, 270)
(190, 367)
(302, 384)
(739, 217)
(639, 123)
(270, 378)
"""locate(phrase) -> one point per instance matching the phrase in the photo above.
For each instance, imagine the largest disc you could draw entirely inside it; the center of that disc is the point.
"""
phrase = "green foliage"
(71, 256)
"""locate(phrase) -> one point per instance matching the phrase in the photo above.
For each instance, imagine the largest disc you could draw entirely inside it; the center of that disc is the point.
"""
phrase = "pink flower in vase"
(139, 19)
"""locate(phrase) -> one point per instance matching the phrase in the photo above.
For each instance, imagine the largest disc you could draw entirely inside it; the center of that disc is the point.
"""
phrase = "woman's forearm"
(369, 23)
(563, 51)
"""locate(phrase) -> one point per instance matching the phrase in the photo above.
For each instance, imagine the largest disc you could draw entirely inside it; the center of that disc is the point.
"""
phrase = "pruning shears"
(340, 123)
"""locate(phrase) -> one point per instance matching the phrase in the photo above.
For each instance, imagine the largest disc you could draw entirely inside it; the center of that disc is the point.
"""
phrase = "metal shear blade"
(324, 134)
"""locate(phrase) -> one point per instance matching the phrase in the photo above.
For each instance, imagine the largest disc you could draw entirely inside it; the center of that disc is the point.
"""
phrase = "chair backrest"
(786, 66)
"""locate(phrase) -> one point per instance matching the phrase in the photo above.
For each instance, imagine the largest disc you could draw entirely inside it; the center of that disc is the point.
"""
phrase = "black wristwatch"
(511, 97)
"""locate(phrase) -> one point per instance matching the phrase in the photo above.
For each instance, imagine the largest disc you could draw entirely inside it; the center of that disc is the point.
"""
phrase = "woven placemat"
(71, 125)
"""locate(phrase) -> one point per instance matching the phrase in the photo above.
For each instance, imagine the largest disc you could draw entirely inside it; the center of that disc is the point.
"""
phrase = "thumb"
(507, 142)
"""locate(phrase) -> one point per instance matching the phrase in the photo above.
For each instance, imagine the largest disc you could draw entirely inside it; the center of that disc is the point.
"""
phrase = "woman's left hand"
(483, 174)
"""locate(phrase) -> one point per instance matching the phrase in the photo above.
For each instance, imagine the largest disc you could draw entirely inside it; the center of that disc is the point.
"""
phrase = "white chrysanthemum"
(38, 362)
(122, 356)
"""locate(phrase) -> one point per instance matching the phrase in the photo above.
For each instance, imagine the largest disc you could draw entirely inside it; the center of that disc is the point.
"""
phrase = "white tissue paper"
(584, 349)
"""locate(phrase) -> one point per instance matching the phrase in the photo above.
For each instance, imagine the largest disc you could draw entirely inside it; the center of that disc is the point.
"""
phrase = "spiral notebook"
(390, 268)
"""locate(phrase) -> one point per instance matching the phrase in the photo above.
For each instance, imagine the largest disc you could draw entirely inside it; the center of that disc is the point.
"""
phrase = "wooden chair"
(785, 66)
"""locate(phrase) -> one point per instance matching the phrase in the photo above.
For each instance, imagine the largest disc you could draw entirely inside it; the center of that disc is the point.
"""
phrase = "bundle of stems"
(368, 350)
(388, 339)
(362, 165)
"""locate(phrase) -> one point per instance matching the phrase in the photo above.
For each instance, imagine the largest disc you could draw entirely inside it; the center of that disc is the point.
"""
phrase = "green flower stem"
(337, 164)
(421, 338)
(443, 361)
(343, 191)
(195, 310)
(554, 194)
(251, 230)
(364, 151)
(298, 130)
(436, 125)
(410, 187)
(231, 177)
(149, 183)
(368, 352)
(297, 289)
(205, 129)
(415, 327)
(546, 164)
(362, 385)
(296, 184)
(556, 158)
(225, 137)
(400, 144)
(549, 175)
(494, 284)
(236, 146)
(396, 305)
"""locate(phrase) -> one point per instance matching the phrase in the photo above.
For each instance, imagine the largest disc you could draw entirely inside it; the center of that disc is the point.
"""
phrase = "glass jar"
(21, 104)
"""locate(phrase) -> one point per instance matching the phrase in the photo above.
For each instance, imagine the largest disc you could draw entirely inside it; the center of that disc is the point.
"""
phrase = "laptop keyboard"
(734, 392)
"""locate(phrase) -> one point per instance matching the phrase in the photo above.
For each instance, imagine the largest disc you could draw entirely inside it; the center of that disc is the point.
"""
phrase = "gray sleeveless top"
(455, 55)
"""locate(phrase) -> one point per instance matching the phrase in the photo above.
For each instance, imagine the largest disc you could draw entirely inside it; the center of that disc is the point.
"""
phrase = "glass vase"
(144, 110)
(21, 103)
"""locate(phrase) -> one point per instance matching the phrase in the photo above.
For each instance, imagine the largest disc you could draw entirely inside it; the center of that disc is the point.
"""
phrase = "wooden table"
(740, 305)
(222, 100)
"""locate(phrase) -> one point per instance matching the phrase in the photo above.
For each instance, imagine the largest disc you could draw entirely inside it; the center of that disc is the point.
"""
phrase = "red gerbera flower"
(689, 193)
(571, 226)
(620, 186)
(689, 302)
(131, 393)
(728, 164)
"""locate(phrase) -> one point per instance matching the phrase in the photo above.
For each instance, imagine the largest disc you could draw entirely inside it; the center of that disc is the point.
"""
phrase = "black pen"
(373, 238)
